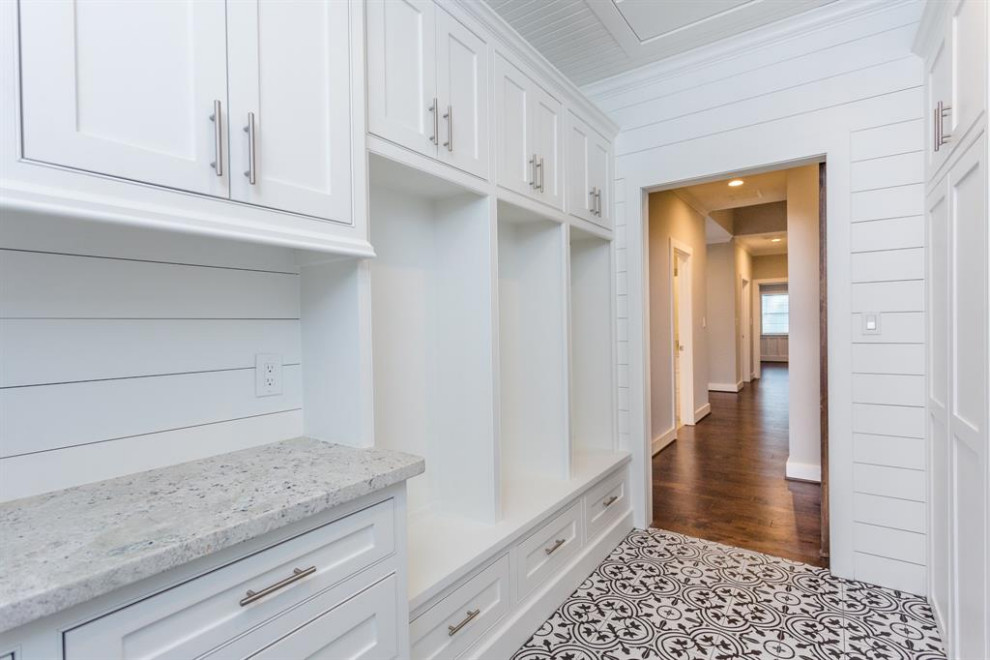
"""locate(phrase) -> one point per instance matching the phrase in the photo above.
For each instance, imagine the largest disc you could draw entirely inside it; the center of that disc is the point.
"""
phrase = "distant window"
(774, 313)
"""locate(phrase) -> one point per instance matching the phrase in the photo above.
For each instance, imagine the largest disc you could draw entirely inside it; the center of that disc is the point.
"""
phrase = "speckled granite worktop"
(66, 547)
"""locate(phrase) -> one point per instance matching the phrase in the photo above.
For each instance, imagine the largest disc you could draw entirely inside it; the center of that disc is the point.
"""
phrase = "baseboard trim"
(772, 358)
(663, 440)
(702, 412)
(725, 387)
(803, 471)
(740, 385)
(511, 633)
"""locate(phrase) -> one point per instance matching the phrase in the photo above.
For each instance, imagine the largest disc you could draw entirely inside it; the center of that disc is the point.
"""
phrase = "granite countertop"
(63, 548)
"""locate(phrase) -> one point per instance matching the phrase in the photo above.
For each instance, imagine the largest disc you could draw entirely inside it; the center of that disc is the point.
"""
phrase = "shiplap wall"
(124, 350)
(888, 370)
(840, 82)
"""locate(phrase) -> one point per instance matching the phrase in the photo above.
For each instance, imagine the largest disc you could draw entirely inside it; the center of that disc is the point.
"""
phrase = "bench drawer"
(451, 626)
(549, 548)
(205, 612)
(606, 502)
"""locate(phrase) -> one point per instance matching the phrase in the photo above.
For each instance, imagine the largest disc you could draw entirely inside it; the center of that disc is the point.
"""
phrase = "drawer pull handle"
(610, 501)
(297, 574)
(453, 630)
(556, 546)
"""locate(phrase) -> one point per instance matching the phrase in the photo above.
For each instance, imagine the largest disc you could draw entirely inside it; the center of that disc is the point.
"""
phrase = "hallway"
(723, 480)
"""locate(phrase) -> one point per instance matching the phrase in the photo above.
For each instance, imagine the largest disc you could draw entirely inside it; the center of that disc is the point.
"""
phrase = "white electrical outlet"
(267, 374)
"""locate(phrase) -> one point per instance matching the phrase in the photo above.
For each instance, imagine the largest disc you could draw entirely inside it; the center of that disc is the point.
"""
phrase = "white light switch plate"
(871, 323)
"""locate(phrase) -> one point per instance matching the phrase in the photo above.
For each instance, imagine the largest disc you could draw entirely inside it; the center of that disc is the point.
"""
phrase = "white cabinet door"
(462, 93)
(515, 146)
(126, 88)
(938, 79)
(969, 402)
(599, 159)
(969, 55)
(547, 137)
(580, 197)
(402, 73)
(290, 78)
(937, 211)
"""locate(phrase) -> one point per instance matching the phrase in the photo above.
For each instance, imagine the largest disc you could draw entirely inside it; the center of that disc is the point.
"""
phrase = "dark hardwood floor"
(723, 479)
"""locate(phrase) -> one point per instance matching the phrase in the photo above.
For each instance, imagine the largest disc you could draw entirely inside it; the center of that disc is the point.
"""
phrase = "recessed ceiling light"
(735, 183)
(776, 240)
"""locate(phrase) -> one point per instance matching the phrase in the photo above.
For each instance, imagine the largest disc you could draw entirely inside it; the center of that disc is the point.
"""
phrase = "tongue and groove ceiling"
(589, 40)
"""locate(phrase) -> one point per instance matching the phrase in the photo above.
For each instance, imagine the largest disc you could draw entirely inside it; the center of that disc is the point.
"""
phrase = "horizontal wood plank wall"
(888, 381)
(853, 86)
(126, 350)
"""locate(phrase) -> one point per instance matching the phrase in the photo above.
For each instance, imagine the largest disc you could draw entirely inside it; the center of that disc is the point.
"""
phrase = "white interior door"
(290, 78)
(682, 330)
(546, 130)
(515, 147)
(969, 401)
(462, 93)
(126, 88)
(402, 72)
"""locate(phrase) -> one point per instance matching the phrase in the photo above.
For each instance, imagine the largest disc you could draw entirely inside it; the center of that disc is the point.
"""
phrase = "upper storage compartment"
(195, 96)
(588, 159)
(528, 134)
(428, 83)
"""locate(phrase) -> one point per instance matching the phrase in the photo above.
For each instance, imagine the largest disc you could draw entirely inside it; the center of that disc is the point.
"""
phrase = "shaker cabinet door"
(290, 146)
(462, 92)
(127, 89)
(402, 73)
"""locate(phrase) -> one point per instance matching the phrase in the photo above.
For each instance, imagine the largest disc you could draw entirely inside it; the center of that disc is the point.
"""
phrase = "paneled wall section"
(124, 350)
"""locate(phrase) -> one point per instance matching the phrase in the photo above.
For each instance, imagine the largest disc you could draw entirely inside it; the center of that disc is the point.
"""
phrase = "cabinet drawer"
(363, 626)
(605, 503)
(546, 550)
(203, 613)
(448, 628)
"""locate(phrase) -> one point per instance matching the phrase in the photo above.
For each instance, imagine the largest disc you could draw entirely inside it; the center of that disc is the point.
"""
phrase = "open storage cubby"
(592, 406)
(432, 321)
(532, 346)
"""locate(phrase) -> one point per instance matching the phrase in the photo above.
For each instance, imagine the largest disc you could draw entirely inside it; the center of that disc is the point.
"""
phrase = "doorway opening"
(737, 309)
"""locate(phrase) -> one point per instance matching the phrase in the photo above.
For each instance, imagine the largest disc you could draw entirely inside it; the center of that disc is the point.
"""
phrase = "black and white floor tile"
(665, 595)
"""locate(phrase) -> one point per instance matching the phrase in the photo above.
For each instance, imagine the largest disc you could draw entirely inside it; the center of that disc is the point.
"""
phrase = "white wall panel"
(889, 359)
(893, 543)
(889, 450)
(890, 512)
(889, 265)
(889, 482)
(890, 234)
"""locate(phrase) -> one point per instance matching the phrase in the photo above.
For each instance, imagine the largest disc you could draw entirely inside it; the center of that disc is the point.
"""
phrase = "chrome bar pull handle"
(449, 116)
(532, 171)
(471, 615)
(598, 198)
(936, 122)
(944, 112)
(251, 173)
(591, 193)
(610, 501)
(436, 122)
(297, 574)
(542, 174)
(217, 119)
(556, 546)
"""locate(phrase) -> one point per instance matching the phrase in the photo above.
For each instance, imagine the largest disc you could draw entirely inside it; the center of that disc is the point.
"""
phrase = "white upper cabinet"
(547, 133)
(289, 106)
(958, 54)
(515, 146)
(528, 136)
(462, 95)
(600, 175)
(428, 83)
(588, 158)
(402, 72)
(127, 89)
(247, 101)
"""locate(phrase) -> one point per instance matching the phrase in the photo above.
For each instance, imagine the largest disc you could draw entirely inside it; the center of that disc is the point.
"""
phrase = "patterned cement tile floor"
(666, 595)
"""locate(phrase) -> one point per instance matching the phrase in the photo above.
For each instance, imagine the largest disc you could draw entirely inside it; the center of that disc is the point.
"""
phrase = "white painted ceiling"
(756, 189)
(589, 40)
(760, 245)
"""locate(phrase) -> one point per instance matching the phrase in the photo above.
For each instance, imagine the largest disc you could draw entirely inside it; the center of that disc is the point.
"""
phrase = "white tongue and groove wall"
(838, 83)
